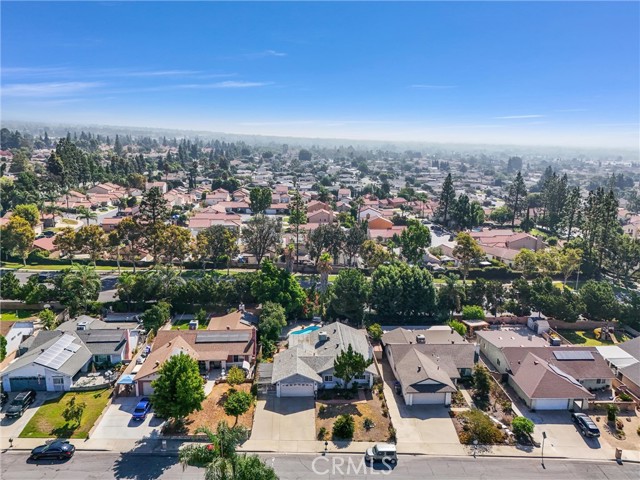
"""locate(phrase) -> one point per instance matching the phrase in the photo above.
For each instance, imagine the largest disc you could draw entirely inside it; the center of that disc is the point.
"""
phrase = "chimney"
(421, 339)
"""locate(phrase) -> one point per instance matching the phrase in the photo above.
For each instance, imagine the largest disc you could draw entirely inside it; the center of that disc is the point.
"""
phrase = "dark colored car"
(142, 408)
(4, 396)
(59, 449)
(398, 388)
(20, 403)
(587, 426)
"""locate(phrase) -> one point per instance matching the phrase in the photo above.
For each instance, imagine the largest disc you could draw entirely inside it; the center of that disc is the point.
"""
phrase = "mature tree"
(599, 300)
(175, 243)
(73, 411)
(179, 388)
(467, 252)
(501, 215)
(527, 262)
(90, 239)
(548, 262)
(399, 290)
(353, 241)
(451, 295)
(66, 242)
(459, 327)
(522, 427)
(3, 347)
(447, 199)
(154, 212)
(349, 294)
(235, 376)
(278, 285)
(132, 235)
(349, 364)
(9, 286)
(554, 195)
(237, 403)
(29, 212)
(623, 258)
(78, 286)
(630, 311)
(375, 332)
(261, 235)
(495, 296)
(517, 198)
(569, 260)
(86, 214)
(414, 240)
(18, 237)
(260, 199)
(272, 320)
(297, 217)
(466, 214)
(481, 382)
(324, 268)
(48, 319)
(375, 254)
(472, 312)
(571, 213)
(156, 316)
(215, 243)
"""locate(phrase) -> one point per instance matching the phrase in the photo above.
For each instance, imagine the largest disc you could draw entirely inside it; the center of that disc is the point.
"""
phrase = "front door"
(58, 384)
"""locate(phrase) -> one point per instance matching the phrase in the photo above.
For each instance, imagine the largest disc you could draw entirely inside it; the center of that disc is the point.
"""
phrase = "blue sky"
(514, 73)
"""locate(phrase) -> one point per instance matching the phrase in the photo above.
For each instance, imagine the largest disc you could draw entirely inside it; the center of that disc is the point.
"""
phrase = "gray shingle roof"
(415, 367)
(632, 347)
(308, 357)
(433, 335)
(103, 342)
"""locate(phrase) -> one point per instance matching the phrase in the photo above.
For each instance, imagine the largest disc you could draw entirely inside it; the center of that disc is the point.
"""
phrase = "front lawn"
(369, 407)
(16, 315)
(213, 410)
(48, 421)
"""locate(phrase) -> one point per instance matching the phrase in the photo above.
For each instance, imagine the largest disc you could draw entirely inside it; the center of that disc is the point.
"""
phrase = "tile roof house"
(49, 361)
(504, 245)
(228, 341)
(428, 362)
(307, 365)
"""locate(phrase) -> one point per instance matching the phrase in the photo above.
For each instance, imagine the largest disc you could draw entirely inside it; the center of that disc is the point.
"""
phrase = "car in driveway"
(20, 403)
(142, 408)
(59, 449)
(587, 426)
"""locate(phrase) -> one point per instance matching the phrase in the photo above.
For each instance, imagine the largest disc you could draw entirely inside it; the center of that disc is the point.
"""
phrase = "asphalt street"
(131, 465)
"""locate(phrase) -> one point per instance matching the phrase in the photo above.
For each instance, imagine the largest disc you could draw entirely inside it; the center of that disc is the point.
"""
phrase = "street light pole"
(544, 437)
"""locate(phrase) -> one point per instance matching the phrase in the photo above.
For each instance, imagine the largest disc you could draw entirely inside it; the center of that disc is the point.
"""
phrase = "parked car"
(59, 449)
(397, 388)
(587, 426)
(142, 408)
(4, 396)
(20, 403)
(382, 452)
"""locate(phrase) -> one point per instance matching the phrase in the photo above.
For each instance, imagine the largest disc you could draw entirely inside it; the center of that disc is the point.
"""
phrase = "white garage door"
(551, 404)
(429, 398)
(296, 389)
(147, 389)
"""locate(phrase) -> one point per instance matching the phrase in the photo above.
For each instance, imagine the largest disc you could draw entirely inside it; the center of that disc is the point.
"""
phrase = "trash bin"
(618, 454)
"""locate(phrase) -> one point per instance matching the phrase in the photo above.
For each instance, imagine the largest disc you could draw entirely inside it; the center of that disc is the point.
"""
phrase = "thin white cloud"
(34, 71)
(51, 89)
(159, 73)
(225, 84)
(518, 117)
(426, 86)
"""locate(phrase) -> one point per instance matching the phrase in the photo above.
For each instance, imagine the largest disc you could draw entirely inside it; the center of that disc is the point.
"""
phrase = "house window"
(360, 377)
(238, 358)
(498, 361)
(58, 380)
(599, 380)
(328, 378)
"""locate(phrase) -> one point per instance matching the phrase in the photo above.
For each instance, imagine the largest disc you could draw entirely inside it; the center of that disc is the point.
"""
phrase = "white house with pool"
(307, 365)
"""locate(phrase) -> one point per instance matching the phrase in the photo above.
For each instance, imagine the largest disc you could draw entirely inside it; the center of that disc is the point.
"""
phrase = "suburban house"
(624, 360)
(504, 245)
(557, 378)
(228, 341)
(428, 363)
(492, 343)
(84, 322)
(321, 216)
(307, 365)
(49, 361)
(107, 347)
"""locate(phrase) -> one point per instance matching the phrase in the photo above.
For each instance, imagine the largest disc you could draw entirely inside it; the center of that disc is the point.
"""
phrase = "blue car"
(142, 408)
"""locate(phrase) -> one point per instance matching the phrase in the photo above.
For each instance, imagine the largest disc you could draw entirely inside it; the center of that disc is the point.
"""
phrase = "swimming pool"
(310, 329)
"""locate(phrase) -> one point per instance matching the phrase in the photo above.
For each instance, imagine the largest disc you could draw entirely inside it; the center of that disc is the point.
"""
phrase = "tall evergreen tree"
(447, 199)
(517, 199)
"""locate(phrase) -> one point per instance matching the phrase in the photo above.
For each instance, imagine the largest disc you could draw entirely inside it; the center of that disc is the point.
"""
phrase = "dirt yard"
(213, 412)
(367, 405)
(631, 424)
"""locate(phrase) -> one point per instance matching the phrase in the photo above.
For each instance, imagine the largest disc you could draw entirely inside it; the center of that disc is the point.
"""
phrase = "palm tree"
(324, 268)
(54, 210)
(84, 280)
(86, 214)
(167, 278)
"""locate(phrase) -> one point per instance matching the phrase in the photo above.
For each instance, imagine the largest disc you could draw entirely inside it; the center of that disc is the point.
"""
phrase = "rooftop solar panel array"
(570, 354)
(58, 353)
(223, 337)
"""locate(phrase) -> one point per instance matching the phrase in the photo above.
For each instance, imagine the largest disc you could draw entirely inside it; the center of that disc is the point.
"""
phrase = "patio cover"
(126, 380)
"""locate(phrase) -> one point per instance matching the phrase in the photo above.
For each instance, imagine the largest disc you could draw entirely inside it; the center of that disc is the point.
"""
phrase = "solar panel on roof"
(58, 353)
(570, 354)
(222, 337)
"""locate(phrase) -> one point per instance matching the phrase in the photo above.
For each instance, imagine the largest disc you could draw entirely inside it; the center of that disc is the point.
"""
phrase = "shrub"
(375, 331)
(392, 433)
(478, 426)
(235, 376)
(612, 411)
(459, 327)
(254, 389)
(522, 427)
(344, 427)
(322, 433)
(619, 424)
(472, 312)
(638, 431)
(367, 423)
(625, 397)
(322, 409)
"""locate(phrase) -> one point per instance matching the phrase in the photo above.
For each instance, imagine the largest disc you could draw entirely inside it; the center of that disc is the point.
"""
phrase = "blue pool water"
(310, 329)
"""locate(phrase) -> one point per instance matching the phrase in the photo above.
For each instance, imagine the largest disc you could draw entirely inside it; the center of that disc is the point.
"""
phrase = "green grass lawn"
(16, 315)
(586, 338)
(48, 421)
(184, 325)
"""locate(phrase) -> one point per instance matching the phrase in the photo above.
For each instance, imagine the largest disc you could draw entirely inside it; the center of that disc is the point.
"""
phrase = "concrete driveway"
(419, 428)
(563, 437)
(284, 420)
(10, 427)
(116, 422)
